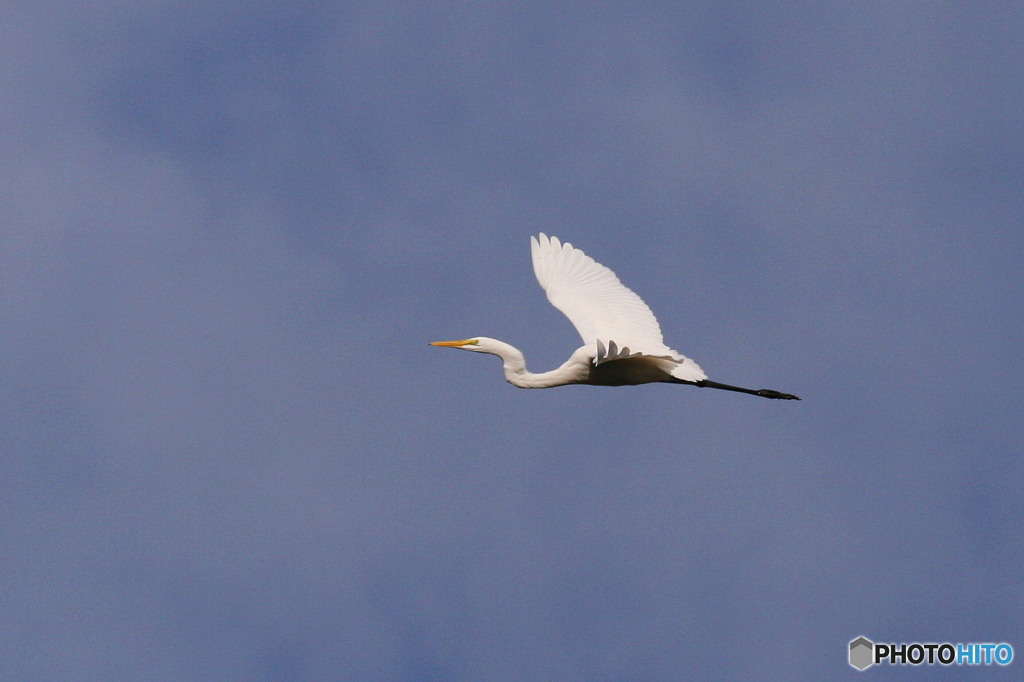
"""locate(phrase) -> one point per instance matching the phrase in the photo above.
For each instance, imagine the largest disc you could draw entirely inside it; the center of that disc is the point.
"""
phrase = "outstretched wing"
(595, 301)
(605, 312)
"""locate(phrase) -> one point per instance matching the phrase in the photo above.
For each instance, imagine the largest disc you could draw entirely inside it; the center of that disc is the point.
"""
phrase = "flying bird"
(622, 342)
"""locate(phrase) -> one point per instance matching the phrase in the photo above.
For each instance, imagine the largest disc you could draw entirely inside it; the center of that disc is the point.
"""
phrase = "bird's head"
(482, 344)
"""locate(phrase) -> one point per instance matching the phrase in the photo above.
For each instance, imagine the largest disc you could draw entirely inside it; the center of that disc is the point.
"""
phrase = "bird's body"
(623, 345)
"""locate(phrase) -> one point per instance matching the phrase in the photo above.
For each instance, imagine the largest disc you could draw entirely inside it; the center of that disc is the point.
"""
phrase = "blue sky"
(229, 230)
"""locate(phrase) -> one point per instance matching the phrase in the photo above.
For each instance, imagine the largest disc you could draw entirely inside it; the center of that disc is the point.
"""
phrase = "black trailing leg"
(763, 392)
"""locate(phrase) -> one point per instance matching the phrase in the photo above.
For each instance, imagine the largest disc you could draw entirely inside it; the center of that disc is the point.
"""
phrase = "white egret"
(622, 342)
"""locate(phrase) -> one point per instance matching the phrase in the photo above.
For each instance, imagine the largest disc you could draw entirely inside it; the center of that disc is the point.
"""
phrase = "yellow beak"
(455, 344)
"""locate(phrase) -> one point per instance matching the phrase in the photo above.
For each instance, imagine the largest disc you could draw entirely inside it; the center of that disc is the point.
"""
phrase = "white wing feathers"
(605, 313)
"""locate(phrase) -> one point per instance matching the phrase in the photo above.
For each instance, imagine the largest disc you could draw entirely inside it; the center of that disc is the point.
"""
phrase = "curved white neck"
(514, 365)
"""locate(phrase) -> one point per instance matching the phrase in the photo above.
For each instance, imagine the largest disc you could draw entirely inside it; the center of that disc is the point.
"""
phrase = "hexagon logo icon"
(862, 652)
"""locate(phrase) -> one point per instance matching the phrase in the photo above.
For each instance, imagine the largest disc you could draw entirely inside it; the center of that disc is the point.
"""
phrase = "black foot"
(776, 395)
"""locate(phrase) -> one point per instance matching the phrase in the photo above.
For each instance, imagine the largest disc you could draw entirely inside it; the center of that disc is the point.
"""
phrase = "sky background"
(228, 231)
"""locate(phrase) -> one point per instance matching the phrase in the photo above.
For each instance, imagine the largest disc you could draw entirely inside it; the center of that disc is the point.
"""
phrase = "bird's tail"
(688, 371)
